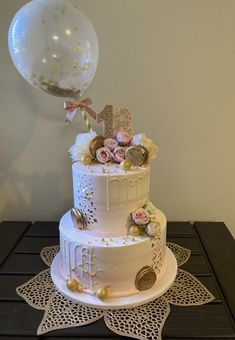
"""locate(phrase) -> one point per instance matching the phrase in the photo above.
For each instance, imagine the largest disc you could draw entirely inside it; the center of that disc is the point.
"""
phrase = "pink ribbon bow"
(83, 105)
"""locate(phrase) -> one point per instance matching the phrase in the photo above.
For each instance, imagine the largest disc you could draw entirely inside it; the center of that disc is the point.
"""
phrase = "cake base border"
(118, 302)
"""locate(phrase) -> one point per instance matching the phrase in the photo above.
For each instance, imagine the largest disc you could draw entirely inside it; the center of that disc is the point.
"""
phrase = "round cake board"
(118, 302)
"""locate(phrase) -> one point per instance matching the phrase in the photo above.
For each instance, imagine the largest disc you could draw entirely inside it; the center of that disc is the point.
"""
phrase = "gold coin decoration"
(145, 152)
(126, 164)
(137, 154)
(79, 220)
(134, 230)
(86, 159)
(145, 278)
(102, 293)
(95, 144)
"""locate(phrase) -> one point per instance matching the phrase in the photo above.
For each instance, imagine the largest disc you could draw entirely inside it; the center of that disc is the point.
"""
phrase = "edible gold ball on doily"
(134, 230)
(125, 164)
(79, 287)
(86, 159)
(72, 284)
(102, 293)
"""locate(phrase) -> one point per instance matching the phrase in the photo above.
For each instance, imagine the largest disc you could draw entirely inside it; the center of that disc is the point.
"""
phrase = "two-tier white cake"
(113, 242)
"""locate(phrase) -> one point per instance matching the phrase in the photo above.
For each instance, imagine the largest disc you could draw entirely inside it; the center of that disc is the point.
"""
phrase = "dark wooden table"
(212, 262)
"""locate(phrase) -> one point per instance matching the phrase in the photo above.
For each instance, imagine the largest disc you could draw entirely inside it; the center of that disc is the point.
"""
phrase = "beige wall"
(172, 63)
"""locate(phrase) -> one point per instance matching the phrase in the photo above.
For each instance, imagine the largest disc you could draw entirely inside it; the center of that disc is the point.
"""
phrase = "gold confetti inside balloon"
(125, 165)
(102, 293)
(54, 46)
(134, 230)
(72, 284)
(86, 159)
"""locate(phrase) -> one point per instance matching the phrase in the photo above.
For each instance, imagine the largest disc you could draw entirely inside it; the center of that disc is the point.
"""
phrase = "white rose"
(153, 228)
(152, 148)
(81, 145)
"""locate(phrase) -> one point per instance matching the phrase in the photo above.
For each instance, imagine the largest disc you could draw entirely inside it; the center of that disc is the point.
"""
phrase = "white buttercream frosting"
(107, 195)
(114, 261)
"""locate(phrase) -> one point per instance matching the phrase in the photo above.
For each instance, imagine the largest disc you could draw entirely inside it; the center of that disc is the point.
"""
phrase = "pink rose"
(110, 143)
(119, 154)
(141, 216)
(103, 155)
(123, 138)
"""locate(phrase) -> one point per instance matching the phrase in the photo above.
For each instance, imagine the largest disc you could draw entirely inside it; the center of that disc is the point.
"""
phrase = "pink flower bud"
(123, 138)
(103, 155)
(119, 154)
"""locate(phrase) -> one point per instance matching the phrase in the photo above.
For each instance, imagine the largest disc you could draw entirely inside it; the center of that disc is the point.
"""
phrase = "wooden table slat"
(11, 232)
(220, 249)
(29, 264)
(48, 229)
(201, 321)
(8, 284)
(35, 244)
(180, 229)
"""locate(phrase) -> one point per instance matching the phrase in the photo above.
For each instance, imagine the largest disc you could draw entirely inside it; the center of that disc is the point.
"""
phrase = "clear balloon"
(54, 46)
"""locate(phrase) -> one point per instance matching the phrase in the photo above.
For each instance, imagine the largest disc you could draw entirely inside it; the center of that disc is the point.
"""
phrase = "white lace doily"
(144, 322)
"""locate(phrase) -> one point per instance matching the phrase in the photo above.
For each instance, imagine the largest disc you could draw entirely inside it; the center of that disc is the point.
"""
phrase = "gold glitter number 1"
(115, 120)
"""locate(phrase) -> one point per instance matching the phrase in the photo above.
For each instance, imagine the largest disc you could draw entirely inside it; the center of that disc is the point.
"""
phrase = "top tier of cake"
(107, 195)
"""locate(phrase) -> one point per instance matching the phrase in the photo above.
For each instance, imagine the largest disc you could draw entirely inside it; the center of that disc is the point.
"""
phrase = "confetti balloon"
(54, 46)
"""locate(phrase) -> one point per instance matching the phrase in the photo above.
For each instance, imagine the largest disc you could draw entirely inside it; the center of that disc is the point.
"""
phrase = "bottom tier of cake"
(111, 266)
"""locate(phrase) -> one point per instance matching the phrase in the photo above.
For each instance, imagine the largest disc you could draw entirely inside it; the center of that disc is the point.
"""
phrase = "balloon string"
(88, 124)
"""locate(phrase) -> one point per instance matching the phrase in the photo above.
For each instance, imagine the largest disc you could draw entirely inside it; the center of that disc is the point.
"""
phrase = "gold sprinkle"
(78, 49)
(86, 66)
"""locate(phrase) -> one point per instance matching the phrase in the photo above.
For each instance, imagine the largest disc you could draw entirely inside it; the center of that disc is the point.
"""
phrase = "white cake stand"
(119, 302)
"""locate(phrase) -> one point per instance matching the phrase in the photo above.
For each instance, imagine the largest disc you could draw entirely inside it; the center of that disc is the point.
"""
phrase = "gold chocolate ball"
(134, 230)
(102, 293)
(86, 159)
(125, 164)
(72, 284)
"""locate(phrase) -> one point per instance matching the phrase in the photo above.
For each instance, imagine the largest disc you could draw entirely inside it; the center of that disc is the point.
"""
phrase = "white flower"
(153, 228)
(152, 148)
(81, 145)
